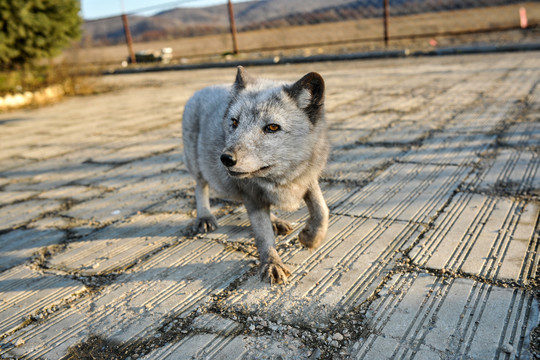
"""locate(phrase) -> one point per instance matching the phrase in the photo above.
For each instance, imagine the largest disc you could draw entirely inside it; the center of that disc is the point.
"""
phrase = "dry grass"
(45, 84)
(35, 78)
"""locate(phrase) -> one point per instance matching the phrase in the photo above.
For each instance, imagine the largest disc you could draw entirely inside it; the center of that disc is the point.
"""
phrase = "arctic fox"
(264, 143)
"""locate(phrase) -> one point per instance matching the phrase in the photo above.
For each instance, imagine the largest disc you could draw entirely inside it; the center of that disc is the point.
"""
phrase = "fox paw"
(281, 227)
(275, 273)
(203, 225)
(311, 239)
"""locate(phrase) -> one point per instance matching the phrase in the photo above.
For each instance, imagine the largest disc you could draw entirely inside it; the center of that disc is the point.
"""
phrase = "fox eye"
(271, 128)
(234, 122)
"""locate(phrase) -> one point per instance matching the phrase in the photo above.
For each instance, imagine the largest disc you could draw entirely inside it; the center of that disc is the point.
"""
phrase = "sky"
(95, 9)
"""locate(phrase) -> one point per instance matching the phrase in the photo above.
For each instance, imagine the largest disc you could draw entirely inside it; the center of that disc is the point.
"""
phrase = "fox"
(263, 143)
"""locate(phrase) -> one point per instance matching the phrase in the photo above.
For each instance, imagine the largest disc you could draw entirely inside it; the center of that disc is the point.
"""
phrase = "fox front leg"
(205, 221)
(314, 232)
(272, 268)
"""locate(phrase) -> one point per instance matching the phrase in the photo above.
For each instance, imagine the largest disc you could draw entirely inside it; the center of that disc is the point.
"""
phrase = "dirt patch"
(96, 348)
(535, 342)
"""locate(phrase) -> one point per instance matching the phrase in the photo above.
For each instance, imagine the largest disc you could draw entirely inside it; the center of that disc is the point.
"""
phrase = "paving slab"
(171, 284)
(21, 245)
(51, 174)
(20, 213)
(11, 197)
(130, 199)
(483, 236)
(120, 176)
(359, 163)
(72, 192)
(28, 295)
(10, 162)
(410, 132)
(448, 149)
(429, 317)
(406, 191)
(508, 172)
(523, 134)
(350, 118)
(120, 245)
(432, 248)
(345, 137)
(484, 118)
(142, 148)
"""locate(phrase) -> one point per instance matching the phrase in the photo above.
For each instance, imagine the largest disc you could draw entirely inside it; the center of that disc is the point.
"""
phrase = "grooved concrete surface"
(432, 250)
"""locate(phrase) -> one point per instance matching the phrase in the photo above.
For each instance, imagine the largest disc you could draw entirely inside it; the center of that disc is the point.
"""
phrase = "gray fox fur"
(264, 143)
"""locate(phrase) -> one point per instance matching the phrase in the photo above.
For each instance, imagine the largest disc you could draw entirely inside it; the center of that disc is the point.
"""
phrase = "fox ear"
(308, 92)
(242, 79)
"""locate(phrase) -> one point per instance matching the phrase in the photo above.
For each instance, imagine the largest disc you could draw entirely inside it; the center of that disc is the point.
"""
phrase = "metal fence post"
(233, 27)
(386, 18)
(129, 41)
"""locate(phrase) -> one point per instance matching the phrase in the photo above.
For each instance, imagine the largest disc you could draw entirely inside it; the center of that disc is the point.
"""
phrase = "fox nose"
(228, 159)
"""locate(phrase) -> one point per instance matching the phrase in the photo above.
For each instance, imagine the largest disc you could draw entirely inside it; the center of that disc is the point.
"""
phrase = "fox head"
(272, 129)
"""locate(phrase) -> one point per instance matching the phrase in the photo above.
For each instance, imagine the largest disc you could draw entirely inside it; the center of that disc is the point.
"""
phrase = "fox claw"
(281, 227)
(203, 225)
(275, 273)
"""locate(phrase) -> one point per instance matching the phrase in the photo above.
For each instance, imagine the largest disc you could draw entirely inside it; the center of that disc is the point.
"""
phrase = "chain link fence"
(265, 28)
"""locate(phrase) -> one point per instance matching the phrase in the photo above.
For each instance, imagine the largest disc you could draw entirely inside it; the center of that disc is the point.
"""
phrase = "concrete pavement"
(432, 251)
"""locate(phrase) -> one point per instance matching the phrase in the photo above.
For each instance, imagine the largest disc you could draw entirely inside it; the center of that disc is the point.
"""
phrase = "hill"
(252, 15)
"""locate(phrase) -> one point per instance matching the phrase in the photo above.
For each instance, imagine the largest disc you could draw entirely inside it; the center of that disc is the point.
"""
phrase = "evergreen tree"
(36, 29)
